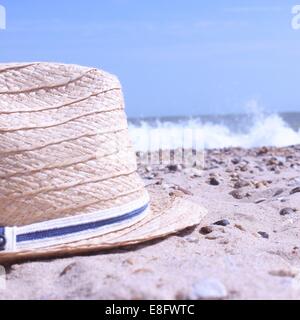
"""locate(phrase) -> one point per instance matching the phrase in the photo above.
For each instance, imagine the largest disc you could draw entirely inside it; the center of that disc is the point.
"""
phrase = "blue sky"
(173, 57)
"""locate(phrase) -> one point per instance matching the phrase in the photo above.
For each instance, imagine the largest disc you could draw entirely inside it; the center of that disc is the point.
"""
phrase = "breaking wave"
(218, 132)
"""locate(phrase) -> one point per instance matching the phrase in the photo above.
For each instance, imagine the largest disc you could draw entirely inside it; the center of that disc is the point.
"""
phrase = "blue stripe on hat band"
(2, 239)
(68, 230)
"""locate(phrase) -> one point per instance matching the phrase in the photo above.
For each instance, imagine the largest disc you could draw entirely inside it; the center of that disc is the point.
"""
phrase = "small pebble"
(237, 194)
(185, 191)
(295, 190)
(211, 237)
(149, 177)
(213, 181)
(241, 184)
(206, 230)
(222, 223)
(260, 184)
(272, 161)
(286, 211)
(263, 234)
(175, 193)
(260, 200)
(224, 241)
(282, 199)
(283, 273)
(262, 151)
(159, 182)
(278, 192)
(67, 269)
(236, 160)
(174, 167)
(244, 168)
(208, 289)
(240, 227)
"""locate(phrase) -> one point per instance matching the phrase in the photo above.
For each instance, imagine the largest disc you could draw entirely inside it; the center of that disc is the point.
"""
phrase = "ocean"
(217, 131)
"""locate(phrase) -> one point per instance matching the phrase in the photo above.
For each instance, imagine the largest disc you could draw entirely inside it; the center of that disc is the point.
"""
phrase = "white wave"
(264, 130)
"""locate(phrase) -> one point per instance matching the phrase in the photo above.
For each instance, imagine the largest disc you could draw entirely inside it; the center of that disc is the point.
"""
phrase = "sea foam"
(259, 130)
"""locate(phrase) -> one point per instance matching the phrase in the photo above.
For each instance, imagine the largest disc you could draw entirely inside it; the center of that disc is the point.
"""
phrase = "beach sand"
(253, 252)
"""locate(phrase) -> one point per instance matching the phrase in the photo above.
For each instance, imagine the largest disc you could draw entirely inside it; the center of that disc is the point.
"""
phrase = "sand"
(253, 252)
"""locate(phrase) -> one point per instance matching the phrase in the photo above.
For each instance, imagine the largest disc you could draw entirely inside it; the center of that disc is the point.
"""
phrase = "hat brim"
(167, 217)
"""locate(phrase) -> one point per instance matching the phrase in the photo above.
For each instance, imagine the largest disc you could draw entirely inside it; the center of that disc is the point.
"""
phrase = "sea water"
(216, 131)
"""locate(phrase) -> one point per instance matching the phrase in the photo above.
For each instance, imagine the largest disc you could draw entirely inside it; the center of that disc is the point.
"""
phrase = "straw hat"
(67, 168)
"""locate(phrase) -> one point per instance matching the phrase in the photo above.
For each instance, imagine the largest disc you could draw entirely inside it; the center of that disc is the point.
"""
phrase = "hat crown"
(64, 143)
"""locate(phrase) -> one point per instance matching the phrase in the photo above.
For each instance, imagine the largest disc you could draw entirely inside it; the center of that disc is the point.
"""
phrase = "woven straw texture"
(64, 144)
